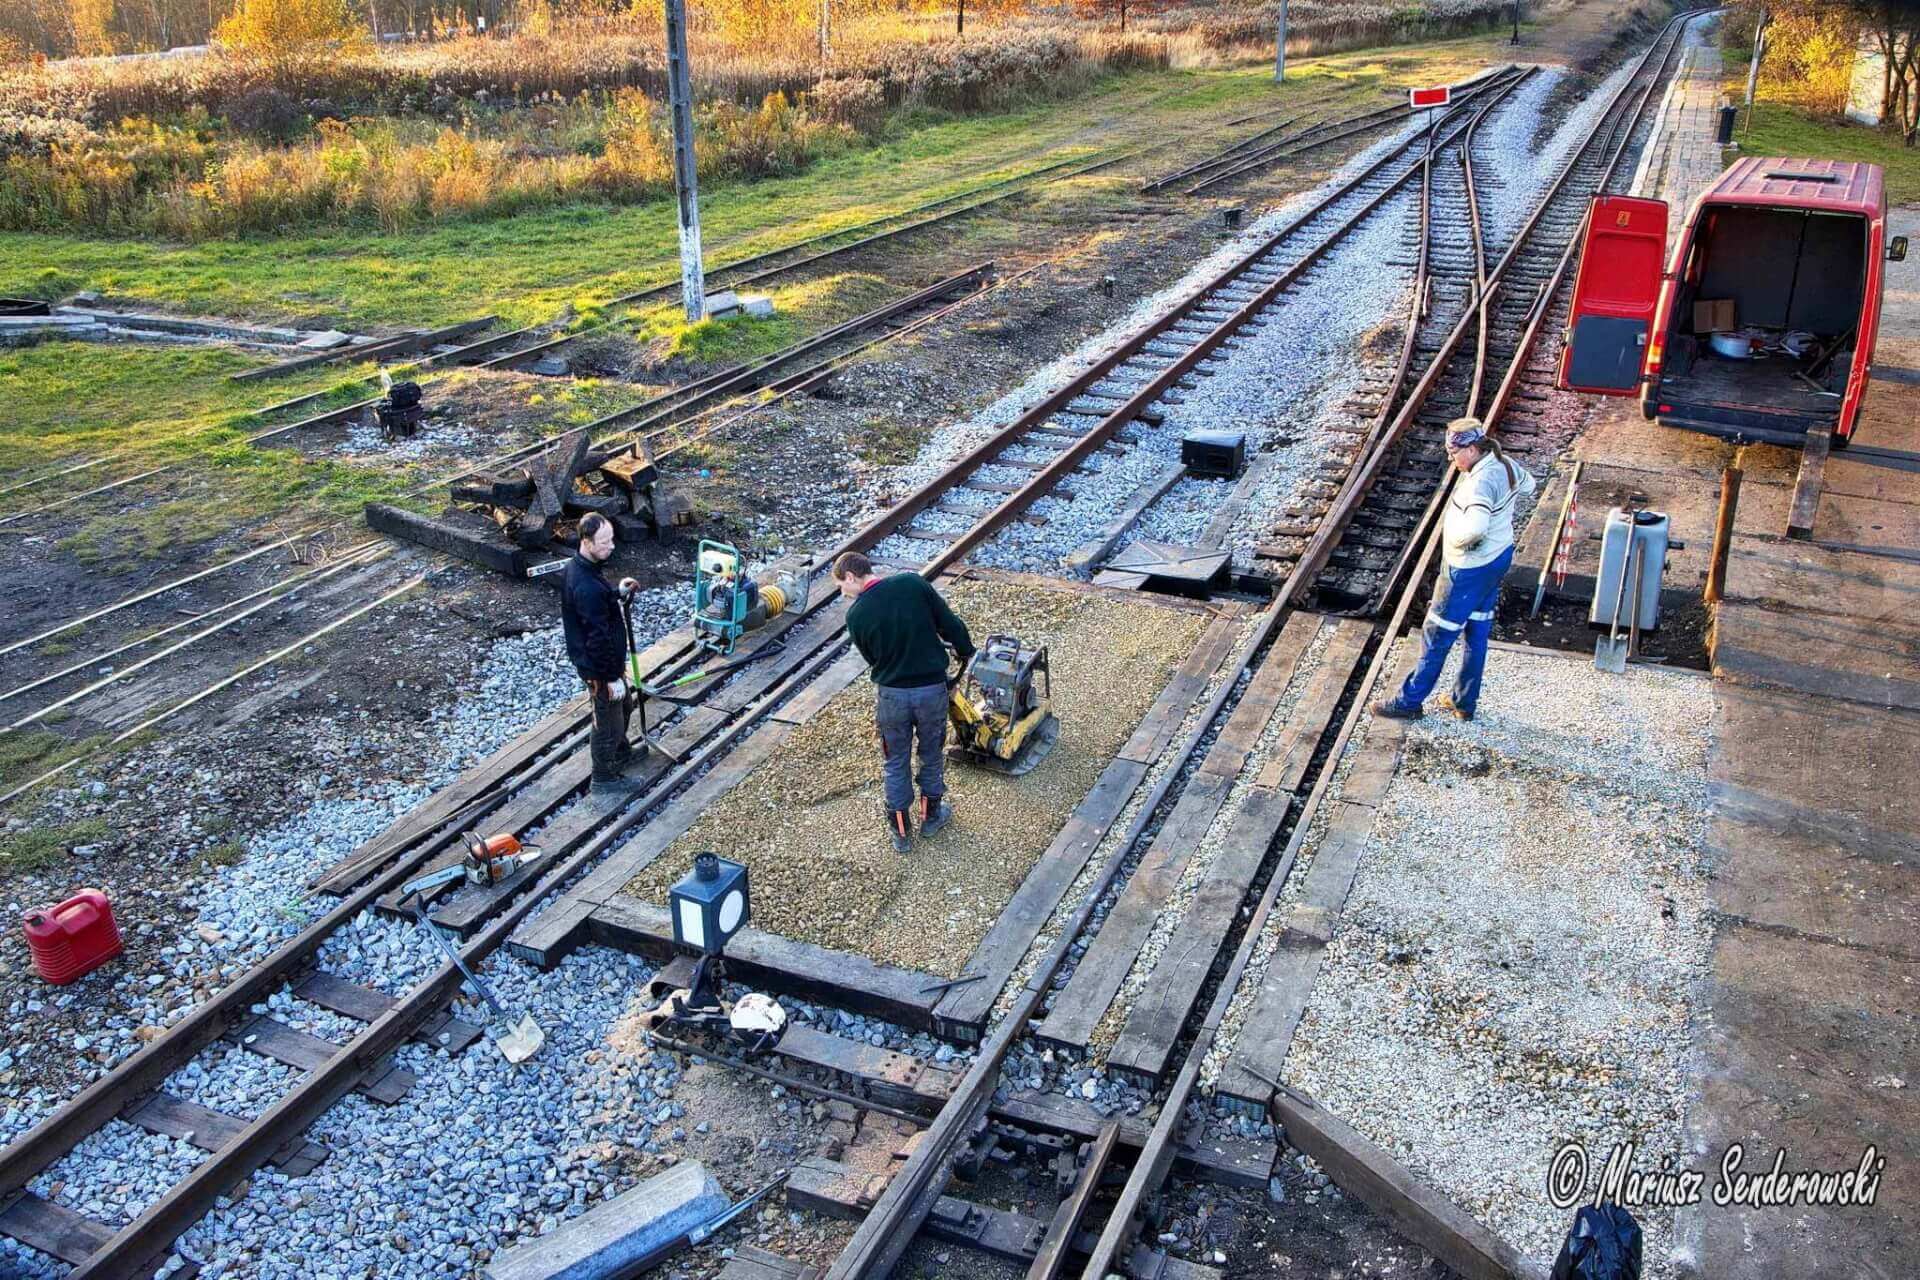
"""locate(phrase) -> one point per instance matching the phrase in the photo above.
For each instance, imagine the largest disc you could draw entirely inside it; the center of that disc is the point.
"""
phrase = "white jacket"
(1479, 520)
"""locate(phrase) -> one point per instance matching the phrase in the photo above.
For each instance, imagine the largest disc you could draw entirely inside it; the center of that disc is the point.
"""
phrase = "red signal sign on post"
(1418, 99)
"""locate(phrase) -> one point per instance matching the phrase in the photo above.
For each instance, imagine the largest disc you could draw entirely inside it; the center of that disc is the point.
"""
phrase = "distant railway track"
(538, 778)
(1466, 364)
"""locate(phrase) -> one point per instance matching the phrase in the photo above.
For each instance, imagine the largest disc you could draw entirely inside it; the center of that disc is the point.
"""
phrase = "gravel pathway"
(1515, 966)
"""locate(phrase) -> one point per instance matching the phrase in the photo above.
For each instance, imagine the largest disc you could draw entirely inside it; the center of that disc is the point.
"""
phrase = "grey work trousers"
(904, 717)
(608, 742)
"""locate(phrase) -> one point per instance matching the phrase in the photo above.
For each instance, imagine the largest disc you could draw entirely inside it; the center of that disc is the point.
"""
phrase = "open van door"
(1615, 296)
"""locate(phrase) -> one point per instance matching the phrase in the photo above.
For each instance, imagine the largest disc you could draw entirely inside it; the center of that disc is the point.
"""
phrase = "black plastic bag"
(1604, 1244)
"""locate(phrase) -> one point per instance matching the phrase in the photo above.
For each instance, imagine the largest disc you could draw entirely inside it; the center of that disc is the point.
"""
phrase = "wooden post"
(1280, 45)
(693, 283)
(1723, 533)
(960, 19)
(826, 45)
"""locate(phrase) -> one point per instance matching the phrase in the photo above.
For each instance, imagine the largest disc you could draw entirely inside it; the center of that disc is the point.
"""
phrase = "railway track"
(538, 779)
(1466, 366)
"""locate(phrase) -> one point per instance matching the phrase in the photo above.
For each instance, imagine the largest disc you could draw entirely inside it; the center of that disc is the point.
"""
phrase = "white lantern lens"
(693, 929)
(733, 908)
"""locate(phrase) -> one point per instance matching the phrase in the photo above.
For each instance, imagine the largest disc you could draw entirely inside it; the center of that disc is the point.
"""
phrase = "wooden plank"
(1871, 660)
(1078, 1008)
(1261, 1048)
(1146, 1042)
(775, 963)
(1052, 1255)
(1808, 483)
(437, 535)
(1383, 1184)
(1810, 578)
(1312, 715)
(53, 1229)
(1080, 561)
(1248, 722)
(749, 1262)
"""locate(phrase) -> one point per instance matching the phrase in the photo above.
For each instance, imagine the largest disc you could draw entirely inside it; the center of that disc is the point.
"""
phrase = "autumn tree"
(283, 33)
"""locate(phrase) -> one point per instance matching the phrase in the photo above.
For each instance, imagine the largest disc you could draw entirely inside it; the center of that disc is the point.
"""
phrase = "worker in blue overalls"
(1476, 551)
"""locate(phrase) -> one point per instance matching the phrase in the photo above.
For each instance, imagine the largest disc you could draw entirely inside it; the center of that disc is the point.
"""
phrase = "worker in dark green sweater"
(902, 628)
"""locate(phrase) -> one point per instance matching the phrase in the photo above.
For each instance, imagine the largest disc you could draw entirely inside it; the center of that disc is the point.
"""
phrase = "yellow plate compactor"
(1001, 718)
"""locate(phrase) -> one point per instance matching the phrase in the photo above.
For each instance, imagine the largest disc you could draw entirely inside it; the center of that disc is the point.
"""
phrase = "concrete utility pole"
(693, 281)
(1753, 67)
(826, 44)
(1280, 45)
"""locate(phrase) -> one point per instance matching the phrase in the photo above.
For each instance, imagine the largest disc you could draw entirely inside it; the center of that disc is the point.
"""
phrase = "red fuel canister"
(74, 938)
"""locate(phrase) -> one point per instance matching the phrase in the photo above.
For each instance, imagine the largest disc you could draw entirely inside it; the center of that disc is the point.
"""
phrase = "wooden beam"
(1371, 1175)
(401, 344)
(437, 535)
(1808, 484)
(1080, 561)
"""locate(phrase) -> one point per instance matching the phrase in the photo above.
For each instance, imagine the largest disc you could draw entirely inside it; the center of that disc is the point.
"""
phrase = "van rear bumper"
(1770, 431)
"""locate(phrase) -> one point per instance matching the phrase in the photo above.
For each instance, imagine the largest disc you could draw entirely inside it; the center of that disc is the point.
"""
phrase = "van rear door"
(1615, 296)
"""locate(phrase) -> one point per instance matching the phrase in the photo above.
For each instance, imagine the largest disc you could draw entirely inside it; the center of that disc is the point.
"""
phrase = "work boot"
(1392, 709)
(1446, 701)
(935, 813)
(616, 783)
(900, 827)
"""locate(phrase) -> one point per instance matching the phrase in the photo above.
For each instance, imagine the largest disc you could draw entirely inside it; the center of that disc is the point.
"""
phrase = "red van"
(1763, 325)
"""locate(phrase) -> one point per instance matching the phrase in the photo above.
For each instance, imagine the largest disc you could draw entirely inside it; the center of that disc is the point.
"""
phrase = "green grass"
(28, 753)
(42, 848)
(67, 401)
(1782, 130)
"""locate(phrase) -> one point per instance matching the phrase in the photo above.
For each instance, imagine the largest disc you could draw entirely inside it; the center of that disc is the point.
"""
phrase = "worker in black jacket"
(902, 628)
(596, 633)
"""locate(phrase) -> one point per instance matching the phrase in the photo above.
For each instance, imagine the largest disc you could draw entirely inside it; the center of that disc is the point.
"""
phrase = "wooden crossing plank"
(566, 926)
(1372, 1175)
(963, 1011)
(1261, 1048)
(1808, 484)
(1250, 716)
(775, 963)
(1287, 766)
(53, 1229)
(1078, 1007)
(1080, 561)
(1146, 1042)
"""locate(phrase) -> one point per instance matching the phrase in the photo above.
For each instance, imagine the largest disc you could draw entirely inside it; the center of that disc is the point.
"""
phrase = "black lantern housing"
(709, 904)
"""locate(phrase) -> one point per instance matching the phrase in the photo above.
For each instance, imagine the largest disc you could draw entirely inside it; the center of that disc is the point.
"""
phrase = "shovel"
(1610, 653)
(517, 1042)
(638, 694)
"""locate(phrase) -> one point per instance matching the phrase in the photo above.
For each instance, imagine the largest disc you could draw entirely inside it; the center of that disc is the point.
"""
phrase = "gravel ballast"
(1515, 966)
(808, 822)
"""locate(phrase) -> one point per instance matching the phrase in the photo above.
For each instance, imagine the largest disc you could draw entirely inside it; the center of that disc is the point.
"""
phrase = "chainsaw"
(487, 862)
(1001, 717)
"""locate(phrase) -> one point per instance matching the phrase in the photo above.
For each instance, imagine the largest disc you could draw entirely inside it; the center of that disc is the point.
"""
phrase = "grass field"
(68, 401)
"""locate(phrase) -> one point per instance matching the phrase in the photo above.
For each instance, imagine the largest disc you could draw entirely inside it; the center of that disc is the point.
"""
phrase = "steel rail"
(889, 1227)
(1361, 479)
(361, 557)
(1157, 1154)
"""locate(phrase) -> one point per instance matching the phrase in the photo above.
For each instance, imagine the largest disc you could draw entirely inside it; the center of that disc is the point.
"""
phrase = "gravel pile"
(437, 438)
(1515, 965)
(808, 820)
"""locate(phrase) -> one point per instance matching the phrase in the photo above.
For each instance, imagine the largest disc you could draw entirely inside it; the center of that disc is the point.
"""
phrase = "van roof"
(1837, 186)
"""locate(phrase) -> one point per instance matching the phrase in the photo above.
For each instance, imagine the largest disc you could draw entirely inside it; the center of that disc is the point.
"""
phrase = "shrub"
(855, 101)
(285, 34)
(267, 113)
